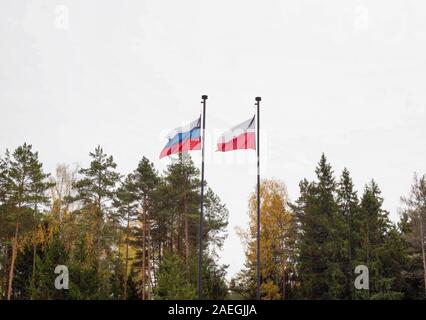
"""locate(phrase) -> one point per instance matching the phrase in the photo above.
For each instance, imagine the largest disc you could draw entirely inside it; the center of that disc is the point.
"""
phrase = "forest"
(134, 236)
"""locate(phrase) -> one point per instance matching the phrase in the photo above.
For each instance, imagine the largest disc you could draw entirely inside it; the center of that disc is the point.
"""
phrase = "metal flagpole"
(200, 240)
(258, 99)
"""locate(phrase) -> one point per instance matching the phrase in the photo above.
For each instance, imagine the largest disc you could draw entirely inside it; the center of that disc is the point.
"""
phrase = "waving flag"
(183, 139)
(242, 136)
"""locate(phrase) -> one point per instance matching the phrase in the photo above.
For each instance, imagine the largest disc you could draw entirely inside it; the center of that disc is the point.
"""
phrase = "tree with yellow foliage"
(277, 238)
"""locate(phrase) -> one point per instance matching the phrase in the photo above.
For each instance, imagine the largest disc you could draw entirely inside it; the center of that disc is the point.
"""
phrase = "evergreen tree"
(213, 275)
(132, 285)
(50, 255)
(85, 280)
(175, 223)
(145, 180)
(183, 187)
(5, 230)
(380, 247)
(413, 226)
(90, 222)
(98, 181)
(96, 191)
(172, 281)
(321, 243)
(347, 201)
(25, 188)
(22, 277)
(118, 279)
(4, 179)
(127, 212)
(215, 222)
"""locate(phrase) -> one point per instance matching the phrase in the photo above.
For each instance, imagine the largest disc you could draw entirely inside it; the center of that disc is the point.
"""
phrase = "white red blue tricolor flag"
(242, 136)
(183, 139)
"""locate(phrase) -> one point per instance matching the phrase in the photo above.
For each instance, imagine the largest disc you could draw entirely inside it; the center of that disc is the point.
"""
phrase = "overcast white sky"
(347, 78)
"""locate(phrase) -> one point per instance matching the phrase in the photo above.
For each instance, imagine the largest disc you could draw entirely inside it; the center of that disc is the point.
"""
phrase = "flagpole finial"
(258, 99)
(204, 97)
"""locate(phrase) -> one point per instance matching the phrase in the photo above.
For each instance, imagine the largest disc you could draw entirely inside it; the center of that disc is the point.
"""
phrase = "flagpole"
(200, 240)
(258, 99)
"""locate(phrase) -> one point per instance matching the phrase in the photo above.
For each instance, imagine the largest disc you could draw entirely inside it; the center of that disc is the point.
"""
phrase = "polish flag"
(242, 136)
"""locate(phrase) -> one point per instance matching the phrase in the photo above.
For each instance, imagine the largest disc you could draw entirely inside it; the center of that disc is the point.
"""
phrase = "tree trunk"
(350, 284)
(34, 245)
(186, 238)
(34, 262)
(171, 239)
(160, 244)
(368, 244)
(12, 263)
(284, 280)
(368, 252)
(179, 237)
(422, 240)
(154, 268)
(185, 217)
(4, 280)
(99, 233)
(143, 252)
(148, 259)
(127, 257)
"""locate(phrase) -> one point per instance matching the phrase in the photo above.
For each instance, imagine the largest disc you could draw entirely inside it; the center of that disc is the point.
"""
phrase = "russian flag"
(242, 136)
(183, 139)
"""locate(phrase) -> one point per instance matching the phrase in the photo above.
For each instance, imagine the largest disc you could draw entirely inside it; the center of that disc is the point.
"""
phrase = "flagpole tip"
(258, 99)
(204, 97)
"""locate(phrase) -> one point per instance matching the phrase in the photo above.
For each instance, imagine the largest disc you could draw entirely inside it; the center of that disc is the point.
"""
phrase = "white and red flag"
(242, 136)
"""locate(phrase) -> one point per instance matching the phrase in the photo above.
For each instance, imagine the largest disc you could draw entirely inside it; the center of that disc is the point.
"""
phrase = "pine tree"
(4, 179)
(50, 255)
(172, 282)
(95, 191)
(213, 277)
(98, 183)
(145, 180)
(97, 229)
(132, 285)
(321, 243)
(217, 286)
(22, 278)
(183, 187)
(173, 219)
(26, 186)
(85, 280)
(381, 246)
(5, 233)
(413, 225)
(347, 201)
(215, 222)
(126, 204)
